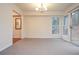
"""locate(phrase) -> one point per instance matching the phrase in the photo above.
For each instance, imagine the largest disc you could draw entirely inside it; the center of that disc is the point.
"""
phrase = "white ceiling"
(50, 6)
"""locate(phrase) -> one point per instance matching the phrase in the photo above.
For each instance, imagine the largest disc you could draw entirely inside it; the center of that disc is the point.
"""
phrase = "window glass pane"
(75, 19)
(65, 27)
(55, 25)
(65, 20)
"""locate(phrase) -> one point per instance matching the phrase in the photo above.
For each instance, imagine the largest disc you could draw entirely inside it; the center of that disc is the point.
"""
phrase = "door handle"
(70, 27)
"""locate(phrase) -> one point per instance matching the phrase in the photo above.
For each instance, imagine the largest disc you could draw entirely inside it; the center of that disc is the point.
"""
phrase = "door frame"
(16, 16)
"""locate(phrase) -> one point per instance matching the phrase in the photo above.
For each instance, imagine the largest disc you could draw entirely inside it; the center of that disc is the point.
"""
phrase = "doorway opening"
(17, 26)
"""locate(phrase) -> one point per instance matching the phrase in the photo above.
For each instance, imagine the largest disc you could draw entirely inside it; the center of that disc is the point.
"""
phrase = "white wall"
(29, 13)
(39, 27)
(14, 7)
(6, 25)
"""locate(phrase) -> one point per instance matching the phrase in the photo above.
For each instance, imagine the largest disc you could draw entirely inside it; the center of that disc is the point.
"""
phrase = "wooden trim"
(16, 39)
(16, 15)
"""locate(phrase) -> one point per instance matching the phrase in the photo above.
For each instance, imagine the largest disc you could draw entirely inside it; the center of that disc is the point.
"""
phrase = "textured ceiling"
(50, 6)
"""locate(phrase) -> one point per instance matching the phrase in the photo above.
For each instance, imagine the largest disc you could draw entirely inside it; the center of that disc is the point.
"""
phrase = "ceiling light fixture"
(41, 8)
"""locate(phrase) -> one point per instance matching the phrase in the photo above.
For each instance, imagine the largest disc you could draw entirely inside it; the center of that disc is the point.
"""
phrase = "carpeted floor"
(41, 47)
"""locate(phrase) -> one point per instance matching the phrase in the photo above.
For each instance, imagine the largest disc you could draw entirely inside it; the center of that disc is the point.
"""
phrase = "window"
(55, 25)
(65, 27)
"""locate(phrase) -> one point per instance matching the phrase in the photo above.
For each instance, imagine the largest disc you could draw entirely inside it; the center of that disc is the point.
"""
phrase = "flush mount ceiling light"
(42, 7)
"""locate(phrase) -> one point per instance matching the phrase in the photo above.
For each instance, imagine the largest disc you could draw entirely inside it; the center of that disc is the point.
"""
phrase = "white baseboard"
(41, 38)
(5, 47)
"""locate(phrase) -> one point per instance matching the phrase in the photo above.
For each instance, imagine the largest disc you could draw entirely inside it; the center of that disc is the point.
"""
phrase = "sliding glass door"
(61, 27)
(66, 28)
(75, 27)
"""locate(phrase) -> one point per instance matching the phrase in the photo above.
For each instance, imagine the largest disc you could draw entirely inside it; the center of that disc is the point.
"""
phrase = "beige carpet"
(41, 47)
